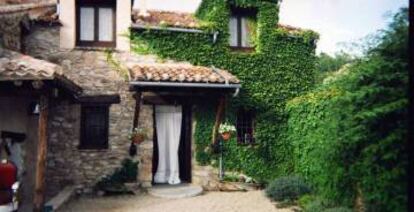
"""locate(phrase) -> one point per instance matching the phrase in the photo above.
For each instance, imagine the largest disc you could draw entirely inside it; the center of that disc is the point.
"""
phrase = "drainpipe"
(58, 7)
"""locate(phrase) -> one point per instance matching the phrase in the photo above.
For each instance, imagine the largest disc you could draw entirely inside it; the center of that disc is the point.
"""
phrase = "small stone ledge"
(60, 199)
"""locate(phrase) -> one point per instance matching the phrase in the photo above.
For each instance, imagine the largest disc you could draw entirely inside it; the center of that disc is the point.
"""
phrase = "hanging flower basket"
(226, 136)
(138, 138)
(137, 135)
(226, 130)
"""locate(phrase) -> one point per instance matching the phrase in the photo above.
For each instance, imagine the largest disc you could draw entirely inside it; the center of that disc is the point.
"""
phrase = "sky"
(338, 22)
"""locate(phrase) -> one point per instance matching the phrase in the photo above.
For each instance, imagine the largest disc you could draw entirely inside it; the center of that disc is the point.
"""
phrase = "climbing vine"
(280, 68)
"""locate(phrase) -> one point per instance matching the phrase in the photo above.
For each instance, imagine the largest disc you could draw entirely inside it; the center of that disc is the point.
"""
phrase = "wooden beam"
(39, 191)
(137, 97)
(219, 118)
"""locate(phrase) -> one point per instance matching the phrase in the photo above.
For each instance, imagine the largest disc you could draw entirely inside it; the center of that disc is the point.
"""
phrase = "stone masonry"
(66, 164)
(91, 69)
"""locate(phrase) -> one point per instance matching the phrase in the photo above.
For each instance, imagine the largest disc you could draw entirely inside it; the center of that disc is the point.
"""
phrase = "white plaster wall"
(68, 19)
(123, 22)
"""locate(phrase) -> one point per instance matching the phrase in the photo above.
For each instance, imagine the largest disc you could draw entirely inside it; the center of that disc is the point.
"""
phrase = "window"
(242, 28)
(245, 127)
(96, 23)
(94, 127)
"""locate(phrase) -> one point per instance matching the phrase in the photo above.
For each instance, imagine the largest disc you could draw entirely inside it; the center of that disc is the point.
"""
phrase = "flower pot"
(226, 136)
(137, 139)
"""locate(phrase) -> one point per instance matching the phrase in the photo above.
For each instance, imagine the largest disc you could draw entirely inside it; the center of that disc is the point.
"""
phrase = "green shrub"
(127, 173)
(305, 200)
(348, 134)
(338, 209)
(287, 188)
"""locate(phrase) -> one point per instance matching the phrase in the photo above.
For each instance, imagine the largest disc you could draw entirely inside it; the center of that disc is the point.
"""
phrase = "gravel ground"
(252, 201)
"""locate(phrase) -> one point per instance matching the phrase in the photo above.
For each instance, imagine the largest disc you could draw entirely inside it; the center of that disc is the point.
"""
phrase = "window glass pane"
(105, 24)
(94, 127)
(233, 31)
(246, 32)
(87, 23)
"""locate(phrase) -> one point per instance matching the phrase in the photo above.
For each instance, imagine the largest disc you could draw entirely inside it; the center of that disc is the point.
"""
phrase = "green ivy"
(280, 68)
(349, 133)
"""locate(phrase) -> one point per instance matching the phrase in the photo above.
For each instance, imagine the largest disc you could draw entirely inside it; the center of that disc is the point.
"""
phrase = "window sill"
(243, 49)
(94, 48)
(92, 149)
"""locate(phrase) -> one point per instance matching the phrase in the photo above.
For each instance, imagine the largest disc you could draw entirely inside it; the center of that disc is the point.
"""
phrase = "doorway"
(161, 154)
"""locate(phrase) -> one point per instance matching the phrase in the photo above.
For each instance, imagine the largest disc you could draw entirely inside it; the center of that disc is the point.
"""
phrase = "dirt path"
(252, 201)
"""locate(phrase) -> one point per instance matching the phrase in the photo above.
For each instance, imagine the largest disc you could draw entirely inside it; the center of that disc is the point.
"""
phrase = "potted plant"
(226, 130)
(137, 135)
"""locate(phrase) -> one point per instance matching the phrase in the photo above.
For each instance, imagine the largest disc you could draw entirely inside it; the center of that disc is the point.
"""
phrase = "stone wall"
(66, 164)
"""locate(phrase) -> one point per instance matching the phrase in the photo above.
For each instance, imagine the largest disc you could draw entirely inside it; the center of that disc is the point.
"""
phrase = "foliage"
(280, 68)
(327, 64)
(287, 188)
(348, 134)
(338, 209)
(226, 127)
(127, 173)
(137, 132)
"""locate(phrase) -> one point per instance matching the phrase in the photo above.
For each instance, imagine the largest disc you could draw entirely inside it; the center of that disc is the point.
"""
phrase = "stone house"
(104, 89)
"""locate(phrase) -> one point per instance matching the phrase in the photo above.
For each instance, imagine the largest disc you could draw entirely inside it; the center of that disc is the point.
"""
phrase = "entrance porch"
(177, 87)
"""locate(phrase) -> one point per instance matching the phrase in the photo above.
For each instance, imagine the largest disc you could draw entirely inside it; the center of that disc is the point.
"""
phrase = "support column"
(219, 118)
(137, 97)
(39, 191)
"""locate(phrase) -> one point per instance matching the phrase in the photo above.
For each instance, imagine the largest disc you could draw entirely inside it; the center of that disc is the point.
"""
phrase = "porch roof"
(181, 75)
(18, 67)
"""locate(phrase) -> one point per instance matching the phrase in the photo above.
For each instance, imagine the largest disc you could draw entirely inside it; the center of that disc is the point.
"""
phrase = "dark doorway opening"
(184, 151)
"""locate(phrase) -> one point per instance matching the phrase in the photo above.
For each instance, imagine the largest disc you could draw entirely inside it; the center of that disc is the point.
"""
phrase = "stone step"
(175, 191)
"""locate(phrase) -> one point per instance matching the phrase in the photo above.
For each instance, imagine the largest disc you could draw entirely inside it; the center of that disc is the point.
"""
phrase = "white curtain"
(245, 33)
(233, 31)
(87, 21)
(168, 122)
(105, 24)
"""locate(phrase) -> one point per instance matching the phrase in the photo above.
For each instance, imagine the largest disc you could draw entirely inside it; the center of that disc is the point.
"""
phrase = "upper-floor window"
(245, 126)
(242, 28)
(96, 23)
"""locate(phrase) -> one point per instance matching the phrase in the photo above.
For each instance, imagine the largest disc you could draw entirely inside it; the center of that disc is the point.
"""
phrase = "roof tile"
(181, 73)
(22, 67)
(178, 19)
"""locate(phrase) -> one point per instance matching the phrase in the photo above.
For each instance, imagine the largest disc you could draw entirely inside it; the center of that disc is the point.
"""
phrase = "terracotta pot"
(226, 136)
(137, 139)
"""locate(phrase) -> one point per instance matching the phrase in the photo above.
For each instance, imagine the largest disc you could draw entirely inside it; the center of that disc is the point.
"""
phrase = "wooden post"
(219, 117)
(137, 97)
(39, 191)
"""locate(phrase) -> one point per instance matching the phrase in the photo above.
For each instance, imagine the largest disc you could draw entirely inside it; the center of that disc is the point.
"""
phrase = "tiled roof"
(21, 7)
(15, 66)
(165, 18)
(181, 73)
(178, 19)
(22, 67)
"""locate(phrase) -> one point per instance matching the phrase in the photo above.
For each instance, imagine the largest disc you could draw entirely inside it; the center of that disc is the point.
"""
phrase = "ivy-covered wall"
(280, 68)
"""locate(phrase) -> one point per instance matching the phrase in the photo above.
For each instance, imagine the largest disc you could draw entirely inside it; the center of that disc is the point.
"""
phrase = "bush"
(115, 182)
(287, 188)
(317, 205)
(338, 209)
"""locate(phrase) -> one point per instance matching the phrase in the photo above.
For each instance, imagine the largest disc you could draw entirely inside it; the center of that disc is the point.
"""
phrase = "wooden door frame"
(185, 153)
